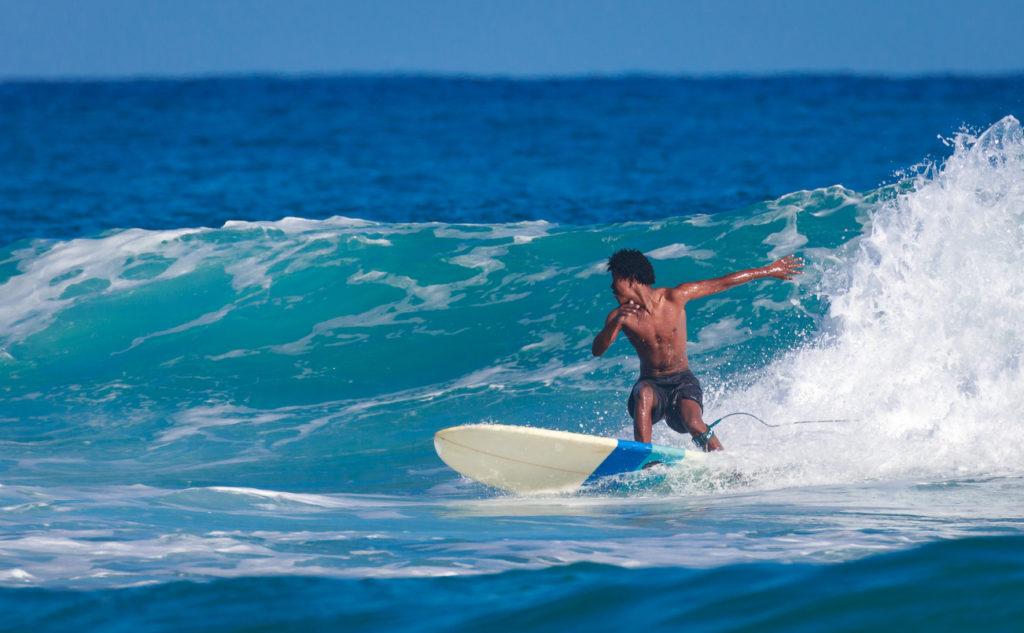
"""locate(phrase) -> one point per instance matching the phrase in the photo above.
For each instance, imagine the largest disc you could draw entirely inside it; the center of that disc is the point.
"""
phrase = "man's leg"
(694, 420)
(644, 400)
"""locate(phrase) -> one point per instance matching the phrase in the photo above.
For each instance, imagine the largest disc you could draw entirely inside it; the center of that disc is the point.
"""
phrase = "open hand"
(786, 267)
(628, 309)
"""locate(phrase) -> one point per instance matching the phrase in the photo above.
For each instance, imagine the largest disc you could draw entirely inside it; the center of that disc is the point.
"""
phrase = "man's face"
(622, 289)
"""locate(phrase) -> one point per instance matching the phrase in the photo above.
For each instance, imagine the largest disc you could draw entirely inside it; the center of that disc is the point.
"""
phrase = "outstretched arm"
(784, 268)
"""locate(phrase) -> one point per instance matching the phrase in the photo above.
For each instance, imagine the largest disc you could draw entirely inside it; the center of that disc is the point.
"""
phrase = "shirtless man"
(654, 321)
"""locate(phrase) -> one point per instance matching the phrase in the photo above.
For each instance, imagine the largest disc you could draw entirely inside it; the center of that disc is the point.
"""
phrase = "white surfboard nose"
(522, 459)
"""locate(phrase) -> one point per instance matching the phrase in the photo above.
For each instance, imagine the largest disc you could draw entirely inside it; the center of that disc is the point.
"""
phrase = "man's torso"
(659, 336)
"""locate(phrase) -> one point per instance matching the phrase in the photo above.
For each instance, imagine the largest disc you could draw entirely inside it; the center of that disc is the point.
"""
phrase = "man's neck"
(646, 297)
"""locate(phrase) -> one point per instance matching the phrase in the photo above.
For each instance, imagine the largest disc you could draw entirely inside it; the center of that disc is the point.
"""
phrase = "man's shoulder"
(677, 294)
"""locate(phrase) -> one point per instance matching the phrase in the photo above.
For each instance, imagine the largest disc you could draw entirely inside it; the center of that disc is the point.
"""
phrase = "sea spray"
(920, 351)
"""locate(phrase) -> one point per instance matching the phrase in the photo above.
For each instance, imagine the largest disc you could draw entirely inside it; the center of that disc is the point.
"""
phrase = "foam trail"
(923, 340)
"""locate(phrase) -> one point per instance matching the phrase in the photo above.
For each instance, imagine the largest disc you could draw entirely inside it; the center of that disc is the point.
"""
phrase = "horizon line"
(505, 77)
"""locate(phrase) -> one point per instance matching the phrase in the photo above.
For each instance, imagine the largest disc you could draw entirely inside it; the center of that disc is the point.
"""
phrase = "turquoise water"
(229, 427)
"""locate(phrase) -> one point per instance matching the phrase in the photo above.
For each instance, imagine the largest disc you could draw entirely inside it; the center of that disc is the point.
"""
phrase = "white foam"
(314, 500)
(549, 341)
(301, 225)
(520, 232)
(204, 320)
(786, 241)
(33, 297)
(52, 274)
(924, 340)
(593, 269)
(200, 420)
(678, 251)
(15, 575)
(483, 257)
(419, 298)
(719, 334)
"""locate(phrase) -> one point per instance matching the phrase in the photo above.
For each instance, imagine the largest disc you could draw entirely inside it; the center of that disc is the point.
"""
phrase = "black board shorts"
(669, 391)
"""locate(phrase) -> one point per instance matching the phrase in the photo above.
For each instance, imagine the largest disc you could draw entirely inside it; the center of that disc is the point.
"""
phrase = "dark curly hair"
(631, 264)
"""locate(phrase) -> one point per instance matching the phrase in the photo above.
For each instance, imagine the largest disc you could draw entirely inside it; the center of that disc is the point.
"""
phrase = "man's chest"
(663, 325)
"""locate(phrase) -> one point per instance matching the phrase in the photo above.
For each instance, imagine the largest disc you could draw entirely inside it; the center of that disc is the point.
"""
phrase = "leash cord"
(705, 437)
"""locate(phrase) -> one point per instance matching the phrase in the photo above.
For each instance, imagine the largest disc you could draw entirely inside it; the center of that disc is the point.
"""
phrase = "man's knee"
(691, 415)
(644, 397)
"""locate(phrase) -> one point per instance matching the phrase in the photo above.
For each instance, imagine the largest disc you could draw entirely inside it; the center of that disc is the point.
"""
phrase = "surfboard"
(528, 460)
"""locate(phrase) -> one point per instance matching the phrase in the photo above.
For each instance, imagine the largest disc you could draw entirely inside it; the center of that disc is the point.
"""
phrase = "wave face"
(229, 353)
(302, 342)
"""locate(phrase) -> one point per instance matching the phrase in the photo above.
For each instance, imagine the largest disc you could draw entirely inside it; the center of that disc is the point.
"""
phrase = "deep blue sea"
(234, 311)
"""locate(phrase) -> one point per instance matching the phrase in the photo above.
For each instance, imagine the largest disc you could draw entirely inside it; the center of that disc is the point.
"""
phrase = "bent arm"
(784, 268)
(604, 338)
(612, 327)
(607, 335)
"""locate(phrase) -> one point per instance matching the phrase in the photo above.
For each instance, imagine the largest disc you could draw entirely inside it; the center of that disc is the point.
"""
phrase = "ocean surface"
(233, 313)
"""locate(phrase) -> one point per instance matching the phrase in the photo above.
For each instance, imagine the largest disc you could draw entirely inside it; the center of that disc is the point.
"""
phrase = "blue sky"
(116, 38)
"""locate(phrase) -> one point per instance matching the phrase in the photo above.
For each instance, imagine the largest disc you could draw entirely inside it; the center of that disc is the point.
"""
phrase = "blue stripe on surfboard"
(629, 456)
(667, 454)
(625, 457)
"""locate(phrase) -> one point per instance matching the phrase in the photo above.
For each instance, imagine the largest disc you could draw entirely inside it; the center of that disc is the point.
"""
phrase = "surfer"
(654, 321)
